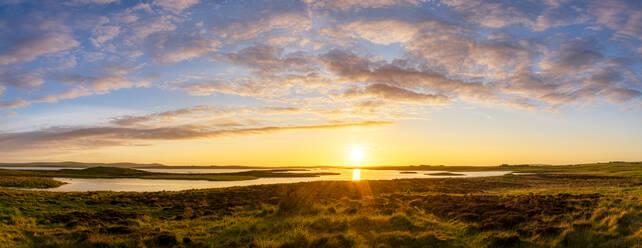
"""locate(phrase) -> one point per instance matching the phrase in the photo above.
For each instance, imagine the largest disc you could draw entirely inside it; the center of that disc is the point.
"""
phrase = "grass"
(29, 182)
(539, 210)
(571, 206)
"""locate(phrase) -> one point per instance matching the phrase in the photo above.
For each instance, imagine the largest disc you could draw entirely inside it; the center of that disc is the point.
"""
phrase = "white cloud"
(69, 94)
(291, 23)
(104, 34)
(175, 6)
(494, 14)
(169, 48)
(17, 103)
(203, 89)
(144, 28)
(103, 84)
(384, 32)
(92, 1)
(393, 93)
(625, 18)
(29, 49)
(344, 5)
(23, 80)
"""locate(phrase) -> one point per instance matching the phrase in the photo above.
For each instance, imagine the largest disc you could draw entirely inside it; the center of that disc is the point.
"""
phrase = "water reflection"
(356, 175)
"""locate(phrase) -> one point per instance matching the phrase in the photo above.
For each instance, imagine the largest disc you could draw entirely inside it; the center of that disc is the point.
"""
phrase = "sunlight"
(356, 175)
(357, 154)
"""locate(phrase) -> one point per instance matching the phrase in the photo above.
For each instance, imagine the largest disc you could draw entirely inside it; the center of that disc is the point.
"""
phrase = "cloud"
(353, 68)
(522, 103)
(250, 28)
(92, 1)
(266, 88)
(442, 62)
(268, 59)
(395, 31)
(392, 93)
(573, 57)
(94, 137)
(17, 103)
(495, 14)
(620, 95)
(369, 104)
(167, 115)
(451, 48)
(535, 15)
(28, 49)
(623, 17)
(84, 86)
(447, 65)
(175, 6)
(201, 112)
(204, 89)
(171, 48)
(111, 78)
(68, 94)
(102, 34)
(22, 80)
(559, 14)
(142, 29)
(568, 88)
(530, 84)
(281, 40)
(101, 84)
(345, 5)
(382, 54)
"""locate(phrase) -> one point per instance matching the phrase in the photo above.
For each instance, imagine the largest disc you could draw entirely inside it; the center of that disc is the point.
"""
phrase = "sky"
(321, 82)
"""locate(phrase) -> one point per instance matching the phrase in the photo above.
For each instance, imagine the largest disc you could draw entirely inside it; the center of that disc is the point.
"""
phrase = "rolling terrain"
(576, 206)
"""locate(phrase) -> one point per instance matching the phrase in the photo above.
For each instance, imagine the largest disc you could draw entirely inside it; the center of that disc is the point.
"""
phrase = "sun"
(357, 154)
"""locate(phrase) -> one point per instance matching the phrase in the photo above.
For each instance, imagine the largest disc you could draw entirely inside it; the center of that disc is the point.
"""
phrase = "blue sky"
(88, 79)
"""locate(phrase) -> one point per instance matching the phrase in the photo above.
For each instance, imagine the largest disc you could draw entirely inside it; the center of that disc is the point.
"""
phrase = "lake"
(146, 185)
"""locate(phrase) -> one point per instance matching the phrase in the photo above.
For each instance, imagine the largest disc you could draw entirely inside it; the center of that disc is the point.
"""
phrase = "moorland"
(590, 205)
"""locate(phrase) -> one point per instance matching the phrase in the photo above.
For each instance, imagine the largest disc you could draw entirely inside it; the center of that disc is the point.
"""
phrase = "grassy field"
(590, 208)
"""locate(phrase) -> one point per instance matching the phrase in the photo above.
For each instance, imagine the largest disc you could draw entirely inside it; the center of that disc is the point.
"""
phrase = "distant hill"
(71, 164)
